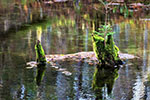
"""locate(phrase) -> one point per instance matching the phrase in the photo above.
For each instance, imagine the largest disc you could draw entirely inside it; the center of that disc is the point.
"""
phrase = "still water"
(63, 31)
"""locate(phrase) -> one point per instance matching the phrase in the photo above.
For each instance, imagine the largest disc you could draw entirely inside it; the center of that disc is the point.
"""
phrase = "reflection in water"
(145, 36)
(116, 36)
(138, 89)
(82, 81)
(40, 73)
(21, 92)
(48, 39)
(19, 13)
(145, 68)
(147, 84)
(127, 32)
(86, 39)
(78, 81)
(103, 81)
(29, 16)
(39, 33)
(63, 87)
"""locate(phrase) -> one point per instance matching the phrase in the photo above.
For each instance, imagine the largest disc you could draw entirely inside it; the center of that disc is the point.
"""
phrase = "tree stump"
(105, 50)
(40, 55)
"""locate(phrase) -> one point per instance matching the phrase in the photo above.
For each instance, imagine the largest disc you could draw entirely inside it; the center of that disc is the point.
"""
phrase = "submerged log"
(106, 51)
(40, 55)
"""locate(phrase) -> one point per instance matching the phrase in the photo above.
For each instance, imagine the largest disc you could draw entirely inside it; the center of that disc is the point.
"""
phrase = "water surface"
(68, 30)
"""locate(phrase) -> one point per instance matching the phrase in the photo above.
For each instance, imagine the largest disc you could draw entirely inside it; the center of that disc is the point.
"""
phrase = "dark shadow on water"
(103, 81)
(40, 73)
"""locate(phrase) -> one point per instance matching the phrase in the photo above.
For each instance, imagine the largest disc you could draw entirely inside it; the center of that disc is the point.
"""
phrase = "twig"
(106, 13)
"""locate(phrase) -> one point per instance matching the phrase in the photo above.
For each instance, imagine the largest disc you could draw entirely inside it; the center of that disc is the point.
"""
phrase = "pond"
(65, 29)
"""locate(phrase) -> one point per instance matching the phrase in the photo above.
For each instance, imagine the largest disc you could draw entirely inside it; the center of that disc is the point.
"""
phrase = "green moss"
(106, 51)
(40, 55)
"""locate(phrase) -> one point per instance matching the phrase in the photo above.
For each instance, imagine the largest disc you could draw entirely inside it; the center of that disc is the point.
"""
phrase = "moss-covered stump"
(105, 50)
(40, 55)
